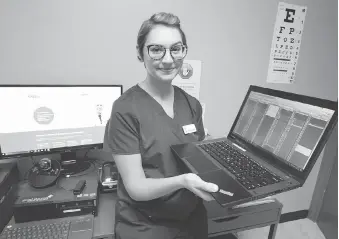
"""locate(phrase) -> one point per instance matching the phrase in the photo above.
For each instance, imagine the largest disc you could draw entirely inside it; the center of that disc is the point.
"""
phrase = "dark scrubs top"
(139, 125)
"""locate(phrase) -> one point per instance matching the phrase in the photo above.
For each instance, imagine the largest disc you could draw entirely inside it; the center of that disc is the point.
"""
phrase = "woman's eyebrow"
(163, 45)
(176, 43)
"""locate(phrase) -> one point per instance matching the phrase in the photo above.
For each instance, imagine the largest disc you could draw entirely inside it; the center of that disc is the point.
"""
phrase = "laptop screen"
(288, 129)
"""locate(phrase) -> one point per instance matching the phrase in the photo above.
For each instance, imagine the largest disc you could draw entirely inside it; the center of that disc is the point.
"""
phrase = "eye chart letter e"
(286, 42)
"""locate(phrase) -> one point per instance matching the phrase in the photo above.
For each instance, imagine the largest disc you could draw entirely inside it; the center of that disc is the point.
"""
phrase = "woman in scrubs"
(157, 196)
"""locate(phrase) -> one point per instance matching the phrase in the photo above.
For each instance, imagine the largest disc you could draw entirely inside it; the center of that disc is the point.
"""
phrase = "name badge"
(190, 128)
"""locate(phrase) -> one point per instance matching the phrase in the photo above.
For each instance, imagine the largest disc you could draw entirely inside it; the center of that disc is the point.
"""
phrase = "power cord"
(93, 166)
(61, 187)
(27, 172)
(85, 156)
(82, 173)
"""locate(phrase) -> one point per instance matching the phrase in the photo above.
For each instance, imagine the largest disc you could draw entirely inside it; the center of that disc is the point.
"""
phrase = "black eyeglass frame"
(174, 59)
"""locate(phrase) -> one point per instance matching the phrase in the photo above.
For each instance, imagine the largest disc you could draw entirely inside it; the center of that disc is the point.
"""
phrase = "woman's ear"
(138, 54)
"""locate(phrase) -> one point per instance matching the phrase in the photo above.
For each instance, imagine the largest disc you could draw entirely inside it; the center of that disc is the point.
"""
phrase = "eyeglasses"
(157, 52)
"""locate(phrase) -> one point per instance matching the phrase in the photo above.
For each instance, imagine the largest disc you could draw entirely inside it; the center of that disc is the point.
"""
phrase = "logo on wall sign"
(186, 71)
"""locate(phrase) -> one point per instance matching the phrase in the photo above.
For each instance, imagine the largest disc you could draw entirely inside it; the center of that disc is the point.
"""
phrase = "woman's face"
(165, 68)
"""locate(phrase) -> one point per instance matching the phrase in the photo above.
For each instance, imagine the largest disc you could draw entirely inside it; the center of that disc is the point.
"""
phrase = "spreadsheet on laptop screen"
(290, 130)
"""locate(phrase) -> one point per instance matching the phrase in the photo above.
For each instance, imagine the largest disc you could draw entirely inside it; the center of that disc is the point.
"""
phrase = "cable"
(82, 173)
(85, 156)
(74, 175)
(61, 187)
(27, 172)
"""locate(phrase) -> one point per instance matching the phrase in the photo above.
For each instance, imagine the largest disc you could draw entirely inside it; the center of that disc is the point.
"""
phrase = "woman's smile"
(166, 70)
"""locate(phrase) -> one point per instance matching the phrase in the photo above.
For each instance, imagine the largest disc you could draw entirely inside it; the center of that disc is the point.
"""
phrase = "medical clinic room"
(171, 119)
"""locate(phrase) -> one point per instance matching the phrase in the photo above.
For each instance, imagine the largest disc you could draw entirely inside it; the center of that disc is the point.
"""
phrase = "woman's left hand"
(199, 187)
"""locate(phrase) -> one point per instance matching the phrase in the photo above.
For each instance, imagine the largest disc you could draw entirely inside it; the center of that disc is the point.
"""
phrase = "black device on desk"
(61, 200)
(108, 177)
(272, 146)
(44, 173)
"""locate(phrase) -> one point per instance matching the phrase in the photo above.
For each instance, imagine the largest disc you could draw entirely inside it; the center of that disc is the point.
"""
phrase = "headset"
(44, 173)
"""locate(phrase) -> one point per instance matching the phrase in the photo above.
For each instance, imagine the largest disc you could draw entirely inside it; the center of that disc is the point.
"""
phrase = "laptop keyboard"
(49, 229)
(248, 172)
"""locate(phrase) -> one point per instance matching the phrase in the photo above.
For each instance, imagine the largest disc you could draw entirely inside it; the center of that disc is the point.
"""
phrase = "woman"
(157, 196)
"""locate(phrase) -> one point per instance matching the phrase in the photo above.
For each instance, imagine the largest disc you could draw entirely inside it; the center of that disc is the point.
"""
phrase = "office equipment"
(79, 187)
(9, 177)
(272, 146)
(44, 173)
(49, 119)
(108, 177)
(220, 220)
(80, 227)
(56, 201)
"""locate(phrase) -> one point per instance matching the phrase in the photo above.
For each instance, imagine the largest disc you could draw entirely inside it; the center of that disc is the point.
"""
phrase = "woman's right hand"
(199, 187)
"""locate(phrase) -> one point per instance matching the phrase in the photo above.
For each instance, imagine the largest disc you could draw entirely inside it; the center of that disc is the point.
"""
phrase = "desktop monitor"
(47, 119)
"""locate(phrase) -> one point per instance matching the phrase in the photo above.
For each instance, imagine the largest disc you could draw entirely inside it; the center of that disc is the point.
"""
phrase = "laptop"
(75, 227)
(271, 147)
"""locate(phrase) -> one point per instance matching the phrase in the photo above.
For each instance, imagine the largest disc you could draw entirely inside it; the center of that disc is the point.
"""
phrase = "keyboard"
(61, 228)
(248, 172)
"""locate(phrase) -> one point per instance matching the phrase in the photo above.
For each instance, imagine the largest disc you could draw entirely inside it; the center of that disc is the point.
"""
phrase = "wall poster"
(286, 43)
(189, 76)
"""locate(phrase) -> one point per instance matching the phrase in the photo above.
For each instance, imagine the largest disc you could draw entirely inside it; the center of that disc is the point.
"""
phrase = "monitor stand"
(70, 165)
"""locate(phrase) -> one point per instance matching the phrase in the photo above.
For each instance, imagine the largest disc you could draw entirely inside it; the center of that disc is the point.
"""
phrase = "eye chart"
(286, 43)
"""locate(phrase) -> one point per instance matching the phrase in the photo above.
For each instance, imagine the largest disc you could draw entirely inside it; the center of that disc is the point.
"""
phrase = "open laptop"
(75, 227)
(272, 146)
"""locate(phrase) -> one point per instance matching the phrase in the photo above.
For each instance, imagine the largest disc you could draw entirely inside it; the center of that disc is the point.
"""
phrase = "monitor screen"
(289, 129)
(37, 119)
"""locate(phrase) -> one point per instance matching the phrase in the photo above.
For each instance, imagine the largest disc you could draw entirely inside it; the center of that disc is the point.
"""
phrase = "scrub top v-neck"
(174, 101)
(139, 125)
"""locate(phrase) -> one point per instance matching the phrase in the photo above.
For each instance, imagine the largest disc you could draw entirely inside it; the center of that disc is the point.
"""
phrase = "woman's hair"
(161, 18)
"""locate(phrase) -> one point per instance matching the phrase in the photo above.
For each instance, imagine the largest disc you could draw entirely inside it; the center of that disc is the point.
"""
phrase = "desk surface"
(104, 222)
(220, 220)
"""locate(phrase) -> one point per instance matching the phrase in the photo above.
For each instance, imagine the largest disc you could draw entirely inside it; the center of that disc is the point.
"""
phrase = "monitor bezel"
(61, 149)
(301, 176)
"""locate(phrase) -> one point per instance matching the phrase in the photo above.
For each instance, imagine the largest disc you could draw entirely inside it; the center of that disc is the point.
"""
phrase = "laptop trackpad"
(81, 228)
(86, 234)
(200, 163)
(227, 183)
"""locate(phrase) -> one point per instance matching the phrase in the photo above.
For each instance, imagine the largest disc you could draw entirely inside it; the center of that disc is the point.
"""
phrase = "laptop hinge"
(242, 149)
(290, 175)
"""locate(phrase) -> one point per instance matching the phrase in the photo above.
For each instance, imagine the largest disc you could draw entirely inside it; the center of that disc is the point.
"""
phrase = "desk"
(104, 222)
(221, 221)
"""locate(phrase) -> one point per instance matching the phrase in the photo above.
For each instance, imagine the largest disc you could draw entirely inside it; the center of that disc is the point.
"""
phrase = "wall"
(85, 42)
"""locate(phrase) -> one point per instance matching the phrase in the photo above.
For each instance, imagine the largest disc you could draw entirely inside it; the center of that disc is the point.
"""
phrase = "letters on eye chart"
(286, 43)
